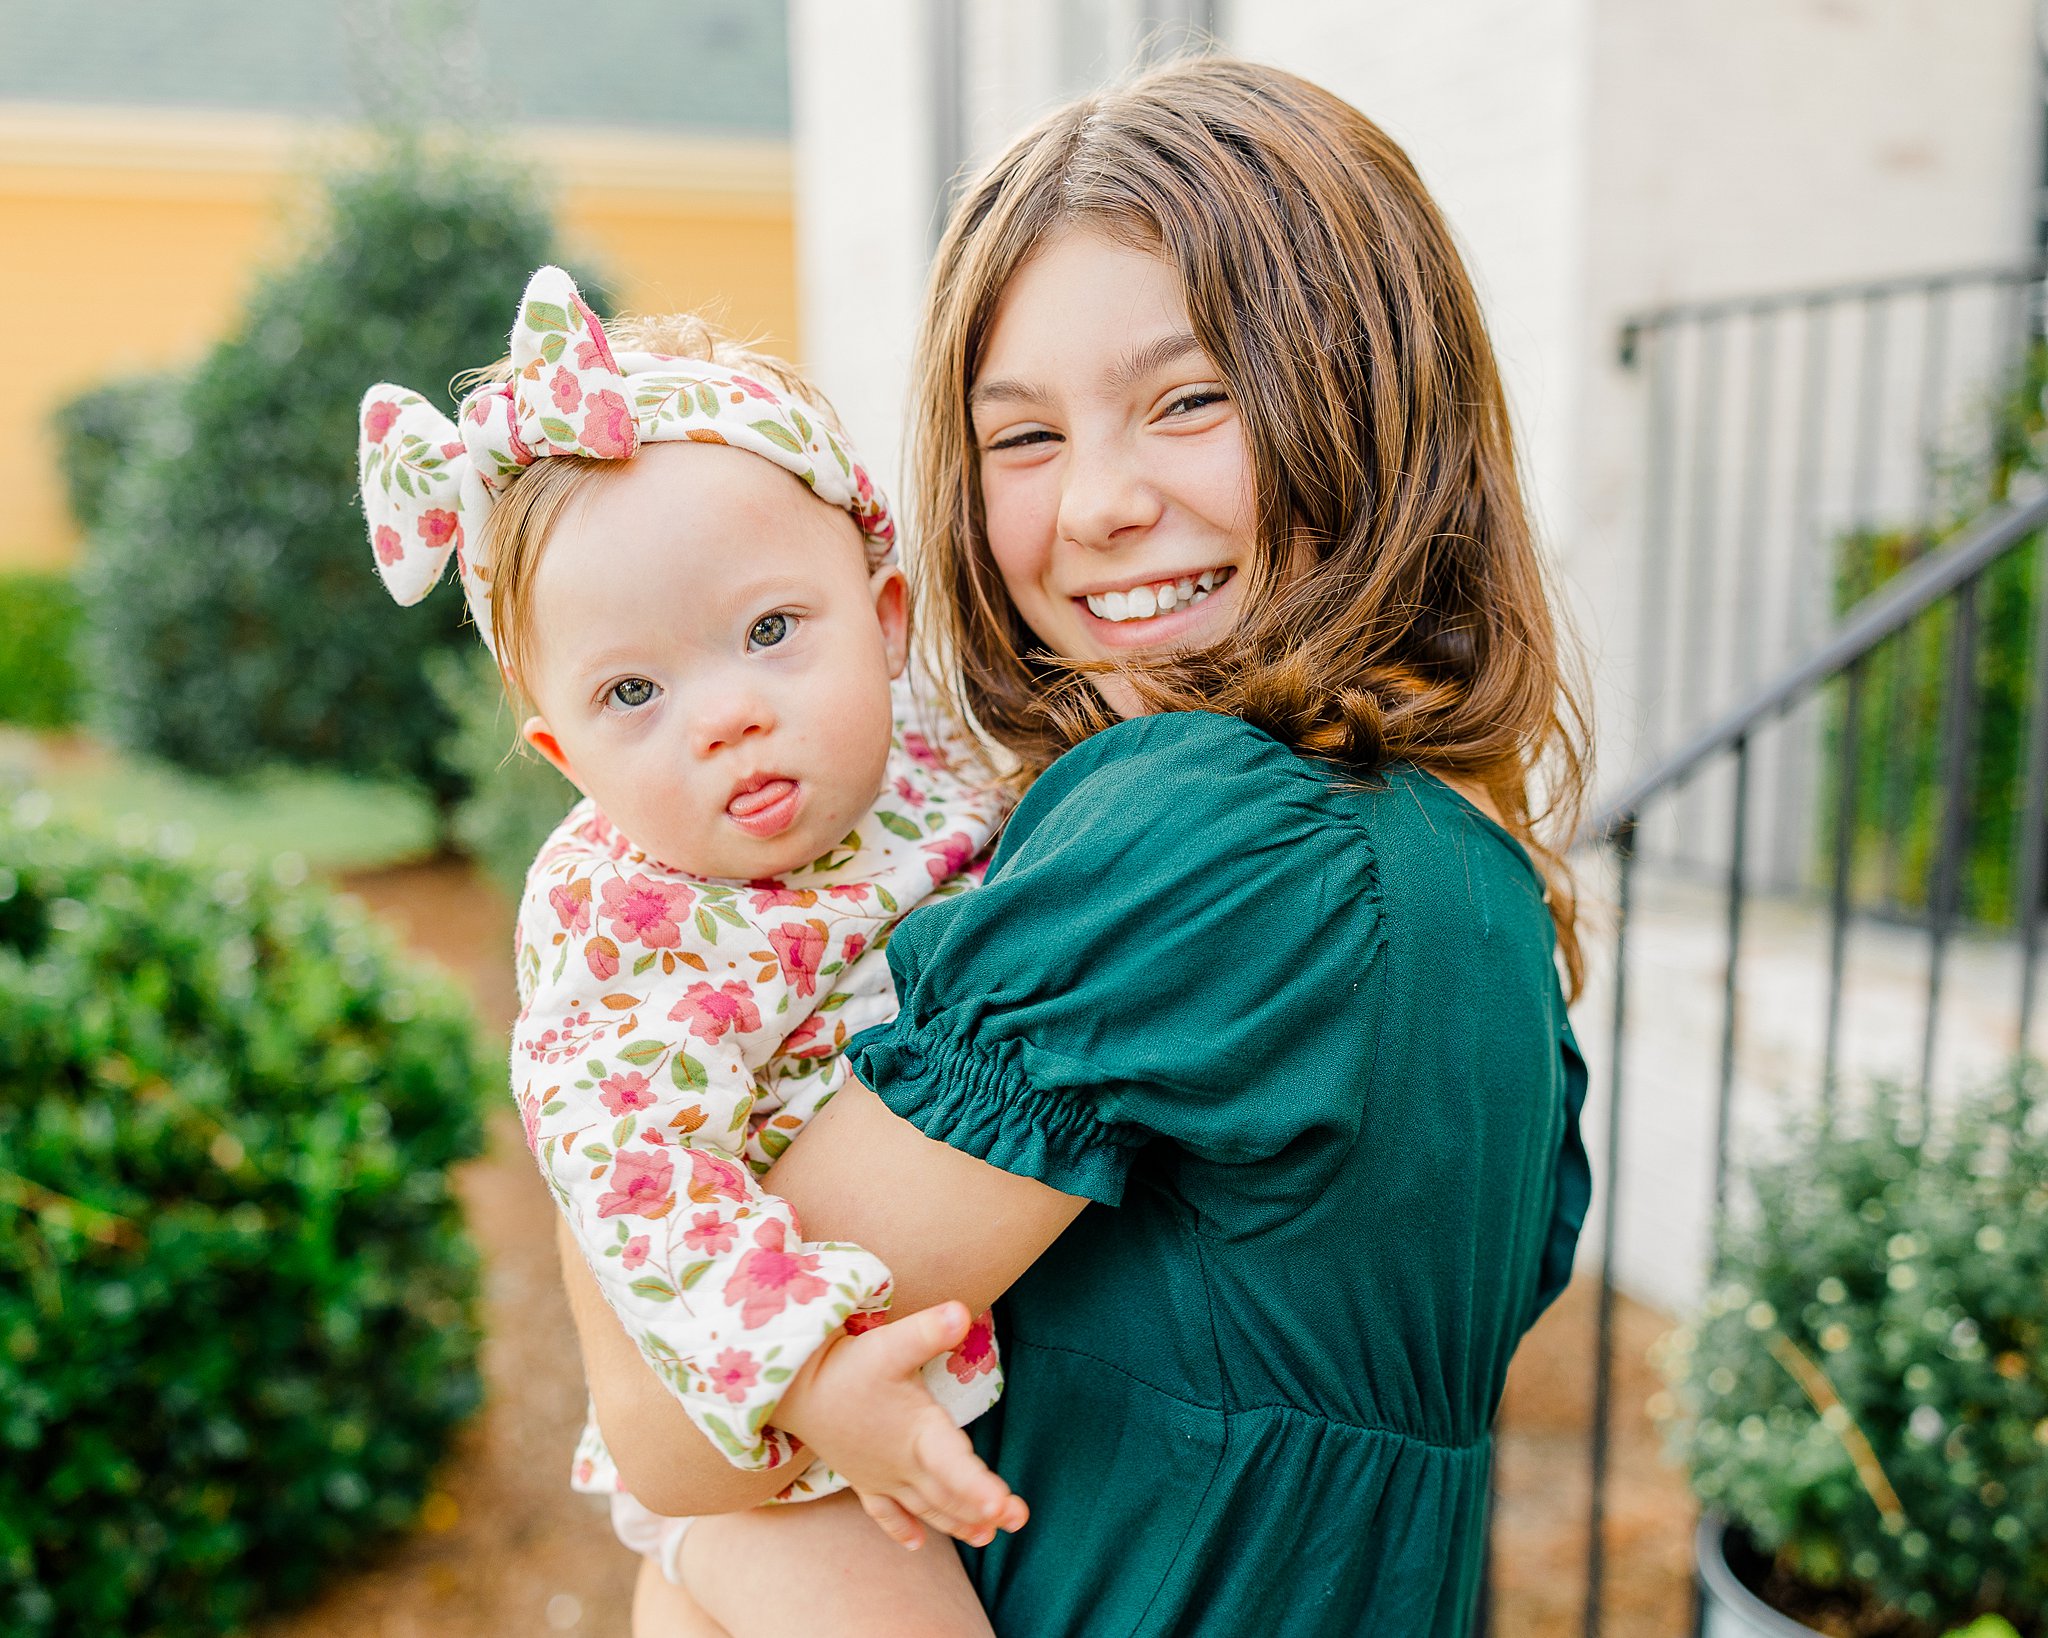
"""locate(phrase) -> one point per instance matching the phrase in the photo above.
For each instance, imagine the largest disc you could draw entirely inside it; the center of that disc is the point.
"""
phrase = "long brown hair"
(1325, 287)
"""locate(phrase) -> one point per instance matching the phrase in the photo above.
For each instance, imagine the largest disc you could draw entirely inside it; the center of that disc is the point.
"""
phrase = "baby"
(680, 565)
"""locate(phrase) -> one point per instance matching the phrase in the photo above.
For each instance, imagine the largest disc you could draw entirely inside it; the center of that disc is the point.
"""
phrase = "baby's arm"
(629, 1068)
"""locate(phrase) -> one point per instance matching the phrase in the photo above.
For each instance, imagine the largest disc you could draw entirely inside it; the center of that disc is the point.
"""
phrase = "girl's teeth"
(1144, 602)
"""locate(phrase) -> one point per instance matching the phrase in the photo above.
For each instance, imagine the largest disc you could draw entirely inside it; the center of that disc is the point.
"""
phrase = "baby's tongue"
(751, 802)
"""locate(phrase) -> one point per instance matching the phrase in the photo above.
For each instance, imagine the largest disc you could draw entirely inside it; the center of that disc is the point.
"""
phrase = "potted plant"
(1862, 1403)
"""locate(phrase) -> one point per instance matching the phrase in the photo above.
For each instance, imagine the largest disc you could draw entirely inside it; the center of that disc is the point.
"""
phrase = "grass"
(331, 821)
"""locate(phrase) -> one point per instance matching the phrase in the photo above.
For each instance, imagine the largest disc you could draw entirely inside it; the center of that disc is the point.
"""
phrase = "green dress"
(1301, 1038)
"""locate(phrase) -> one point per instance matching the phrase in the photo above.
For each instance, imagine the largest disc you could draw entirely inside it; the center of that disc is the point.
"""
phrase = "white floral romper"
(675, 1032)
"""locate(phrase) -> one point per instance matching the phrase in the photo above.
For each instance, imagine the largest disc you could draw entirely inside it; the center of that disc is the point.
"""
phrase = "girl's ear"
(541, 737)
(892, 609)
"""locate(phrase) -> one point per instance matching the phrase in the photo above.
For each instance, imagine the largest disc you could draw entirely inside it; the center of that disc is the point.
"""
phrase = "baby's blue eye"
(769, 630)
(630, 693)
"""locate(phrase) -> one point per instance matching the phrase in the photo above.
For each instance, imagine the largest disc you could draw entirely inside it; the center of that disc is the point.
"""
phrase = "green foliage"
(234, 616)
(514, 797)
(100, 431)
(1901, 749)
(1899, 797)
(39, 683)
(236, 1297)
(1866, 1392)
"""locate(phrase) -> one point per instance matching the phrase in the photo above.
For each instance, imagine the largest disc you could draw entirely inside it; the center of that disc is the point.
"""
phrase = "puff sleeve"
(1165, 902)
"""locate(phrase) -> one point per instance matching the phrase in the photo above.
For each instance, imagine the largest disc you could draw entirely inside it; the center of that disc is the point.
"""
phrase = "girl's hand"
(861, 1405)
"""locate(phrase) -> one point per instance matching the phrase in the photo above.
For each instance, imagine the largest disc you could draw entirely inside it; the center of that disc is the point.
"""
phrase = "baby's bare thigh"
(824, 1569)
(664, 1611)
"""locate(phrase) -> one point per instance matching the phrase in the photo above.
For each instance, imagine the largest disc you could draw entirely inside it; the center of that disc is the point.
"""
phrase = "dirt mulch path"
(506, 1549)
(1539, 1554)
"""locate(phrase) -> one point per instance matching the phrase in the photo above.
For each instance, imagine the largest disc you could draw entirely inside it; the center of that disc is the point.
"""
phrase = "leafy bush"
(1898, 805)
(514, 797)
(1866, 1393)
(236, 1297)
(1900, 792)
(100, 431)
(39, 681)
(233, 613)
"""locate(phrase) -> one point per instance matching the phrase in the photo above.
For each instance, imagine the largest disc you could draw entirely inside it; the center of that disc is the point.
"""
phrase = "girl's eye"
(1201, 398)
(769, 630)
(630, 693)
(1024, 439)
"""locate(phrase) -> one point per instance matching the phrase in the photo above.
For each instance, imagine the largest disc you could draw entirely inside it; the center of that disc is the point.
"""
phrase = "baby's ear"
(541, 737)
(892, 609)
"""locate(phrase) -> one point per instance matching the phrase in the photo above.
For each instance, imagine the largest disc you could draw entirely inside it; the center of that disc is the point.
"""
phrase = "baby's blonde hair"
(515, 535)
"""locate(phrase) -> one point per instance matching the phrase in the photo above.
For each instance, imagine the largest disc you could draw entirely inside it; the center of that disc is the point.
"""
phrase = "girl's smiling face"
(1116, 485)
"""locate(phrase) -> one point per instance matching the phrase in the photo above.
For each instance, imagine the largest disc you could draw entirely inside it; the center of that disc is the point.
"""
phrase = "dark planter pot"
(1728, 1609)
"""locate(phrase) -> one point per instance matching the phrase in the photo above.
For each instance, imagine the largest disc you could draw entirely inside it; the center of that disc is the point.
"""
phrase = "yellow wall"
(127, 238)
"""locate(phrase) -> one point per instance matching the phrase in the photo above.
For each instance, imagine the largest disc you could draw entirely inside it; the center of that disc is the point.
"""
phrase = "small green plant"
(1866, 1391)
(514, 797)
(237, 1300)
(39, 680)
(1899, 804)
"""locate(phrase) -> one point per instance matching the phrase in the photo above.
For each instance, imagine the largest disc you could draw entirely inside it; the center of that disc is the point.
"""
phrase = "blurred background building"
(154, 155)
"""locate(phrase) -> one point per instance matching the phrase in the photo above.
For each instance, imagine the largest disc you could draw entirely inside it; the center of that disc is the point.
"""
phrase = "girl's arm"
(953, 1229)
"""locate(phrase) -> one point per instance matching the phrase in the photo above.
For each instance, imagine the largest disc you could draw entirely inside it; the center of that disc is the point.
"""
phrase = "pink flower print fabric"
(675, 1034)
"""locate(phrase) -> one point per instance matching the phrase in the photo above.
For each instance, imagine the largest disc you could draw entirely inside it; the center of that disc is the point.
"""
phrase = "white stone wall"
(1598, 157)
(1738, 146)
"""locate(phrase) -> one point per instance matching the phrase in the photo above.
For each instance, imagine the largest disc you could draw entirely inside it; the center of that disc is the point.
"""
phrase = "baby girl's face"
(712, 660)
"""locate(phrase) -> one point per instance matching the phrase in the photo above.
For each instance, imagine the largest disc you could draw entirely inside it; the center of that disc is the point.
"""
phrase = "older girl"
(1246, 1080)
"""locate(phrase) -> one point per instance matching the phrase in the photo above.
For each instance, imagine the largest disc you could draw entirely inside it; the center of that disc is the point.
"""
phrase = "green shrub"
(1866, 1393)
(39, 681)
(234, 616)
(101, 431)
(236, 1297)
(514, 797)
(1900, 792)
(1898, 805)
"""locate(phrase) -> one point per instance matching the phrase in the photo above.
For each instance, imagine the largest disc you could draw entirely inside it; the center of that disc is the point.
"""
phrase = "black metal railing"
(1781, 430)
(1946, 591)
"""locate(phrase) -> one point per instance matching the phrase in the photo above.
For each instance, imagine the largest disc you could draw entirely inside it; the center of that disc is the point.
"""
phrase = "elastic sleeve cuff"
(983, 1104)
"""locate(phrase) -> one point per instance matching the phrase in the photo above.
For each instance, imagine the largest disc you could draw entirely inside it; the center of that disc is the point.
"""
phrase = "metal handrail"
(1634, 324)
(1903, 600)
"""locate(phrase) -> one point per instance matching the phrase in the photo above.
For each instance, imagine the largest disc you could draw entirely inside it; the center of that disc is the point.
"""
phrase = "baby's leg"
(824, 1569)
(661, 1609)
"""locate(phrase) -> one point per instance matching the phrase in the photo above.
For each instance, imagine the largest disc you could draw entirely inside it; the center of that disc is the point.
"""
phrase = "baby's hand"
(861, 1405)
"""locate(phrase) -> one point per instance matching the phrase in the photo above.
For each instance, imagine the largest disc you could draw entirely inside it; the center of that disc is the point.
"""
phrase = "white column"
(861, 107)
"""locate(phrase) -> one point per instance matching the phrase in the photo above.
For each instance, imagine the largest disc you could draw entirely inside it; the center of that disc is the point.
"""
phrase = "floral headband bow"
(428, 483)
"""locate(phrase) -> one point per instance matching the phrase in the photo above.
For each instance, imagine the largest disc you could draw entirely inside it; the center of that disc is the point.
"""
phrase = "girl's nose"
(729, 719)
(1103, 495)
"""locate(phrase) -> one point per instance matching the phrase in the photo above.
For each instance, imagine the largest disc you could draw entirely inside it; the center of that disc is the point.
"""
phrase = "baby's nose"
(724, 723)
